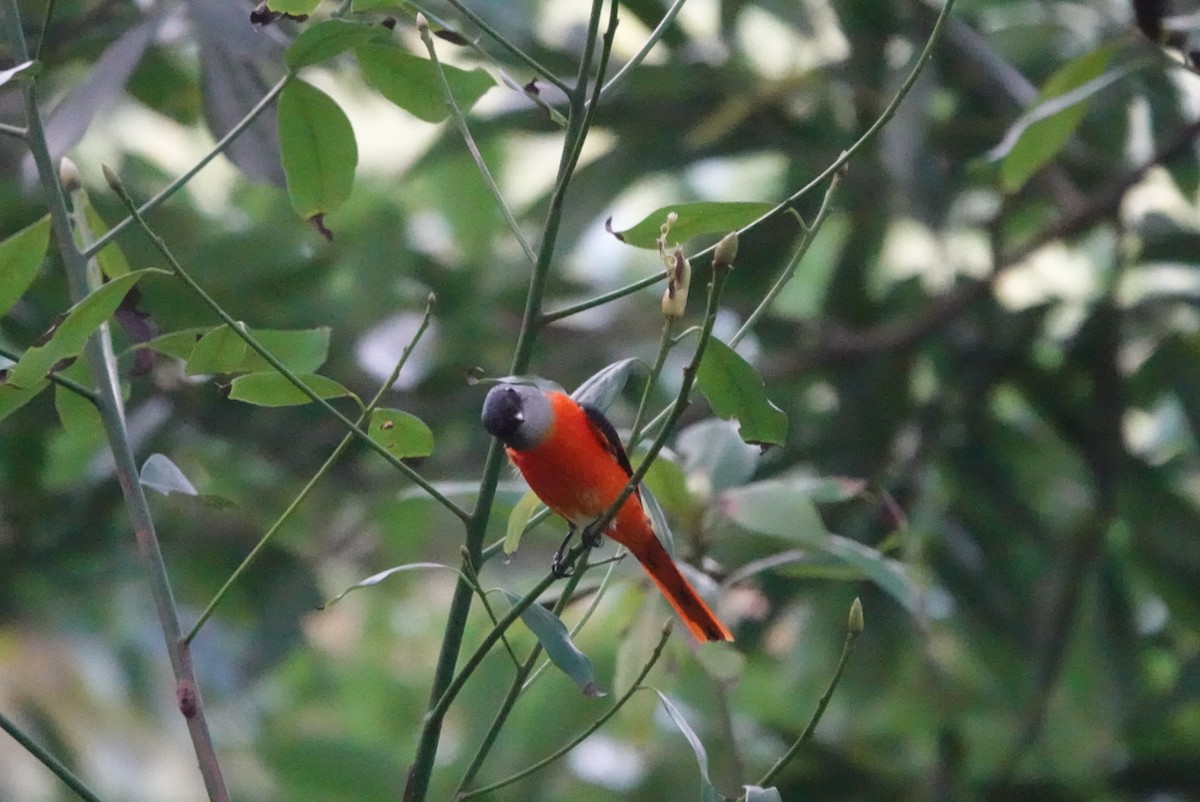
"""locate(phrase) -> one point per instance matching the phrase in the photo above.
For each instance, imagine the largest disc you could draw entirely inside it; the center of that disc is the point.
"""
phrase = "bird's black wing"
(608, 437)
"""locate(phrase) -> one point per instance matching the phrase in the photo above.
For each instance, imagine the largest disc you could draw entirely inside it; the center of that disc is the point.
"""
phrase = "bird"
(573, 460)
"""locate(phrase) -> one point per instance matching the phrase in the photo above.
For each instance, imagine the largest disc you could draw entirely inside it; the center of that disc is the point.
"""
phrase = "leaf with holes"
(402, 434)
(69, 336)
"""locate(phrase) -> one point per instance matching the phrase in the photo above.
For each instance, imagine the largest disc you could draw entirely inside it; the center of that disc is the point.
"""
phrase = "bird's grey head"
(519, 414)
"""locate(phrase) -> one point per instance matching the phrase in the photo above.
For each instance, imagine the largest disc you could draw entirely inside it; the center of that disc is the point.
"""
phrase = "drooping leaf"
(735, 390)
(668, 483)
(775, 508)
(602, 388)
(412, 82)
(70, 335)
(712, 449)
(518, 519)
(318, 149)
(271, 389)
(21, 255)
(1040, 133)
(695, 219)
(890, 575)
(162, 475)
(222, 350)
(233, 85)
(707, 792)
(327, 39)
(562, 651)
(658, 520)
(375, 579)
(402, 434)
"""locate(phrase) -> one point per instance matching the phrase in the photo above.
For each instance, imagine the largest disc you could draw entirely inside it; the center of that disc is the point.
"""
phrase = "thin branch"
(789, 270)
(241, 331)
(70, 384)
(112, 418)
(596, 725)
(601, 300)
(512, 49)
(853, 630)
(721, 268)
(363, 419)
(178, 183)
(515, 688)
(417, 785)
(843, 343)
(48, 760)
(644, 50)
(460, 121)
(14, 131)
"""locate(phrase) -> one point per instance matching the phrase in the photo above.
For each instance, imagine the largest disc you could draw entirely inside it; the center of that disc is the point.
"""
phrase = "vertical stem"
(417, 785)
(186, 689)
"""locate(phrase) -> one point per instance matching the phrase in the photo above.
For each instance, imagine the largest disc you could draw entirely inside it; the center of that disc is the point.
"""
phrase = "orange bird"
(573, 460)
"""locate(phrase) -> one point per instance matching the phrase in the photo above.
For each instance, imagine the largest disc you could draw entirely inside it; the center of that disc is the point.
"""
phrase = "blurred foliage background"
(1007, 366)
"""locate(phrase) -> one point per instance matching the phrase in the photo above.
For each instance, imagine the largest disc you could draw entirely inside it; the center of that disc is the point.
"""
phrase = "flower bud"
(726, 251)
(679, 279)
(855, 624)
(114, 180)
(68, 176)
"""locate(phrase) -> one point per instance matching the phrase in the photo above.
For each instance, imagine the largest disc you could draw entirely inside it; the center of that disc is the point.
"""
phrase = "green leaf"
(518, 519)
(1040, 133)
(707, 792)
(295, 8)
(375, 579)
(13, 398)
(327, 39)
(162, 475)
(402, 434)
(72, 332)
(890, 575)
(553, 635)
(695, 219)
(111, 258)
(222, 350)
(669, 485)
(774, 507)
(20, 257)
(785, 509)
(75, 412)
(603, 387)
(271, 389)
(735, 390)
(317, 148)
(180, 344)
(412, 82)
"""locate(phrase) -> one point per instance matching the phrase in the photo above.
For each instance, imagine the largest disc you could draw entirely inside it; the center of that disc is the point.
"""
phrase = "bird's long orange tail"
(702, 622)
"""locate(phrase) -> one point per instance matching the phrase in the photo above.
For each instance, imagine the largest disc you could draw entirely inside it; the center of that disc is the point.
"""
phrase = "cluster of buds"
(679, 273)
